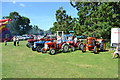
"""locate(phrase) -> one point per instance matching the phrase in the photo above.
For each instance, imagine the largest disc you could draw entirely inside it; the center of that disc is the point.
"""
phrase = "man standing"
(14, 41)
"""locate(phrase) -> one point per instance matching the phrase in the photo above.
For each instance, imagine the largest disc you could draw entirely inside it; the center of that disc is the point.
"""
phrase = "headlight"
(46, 46)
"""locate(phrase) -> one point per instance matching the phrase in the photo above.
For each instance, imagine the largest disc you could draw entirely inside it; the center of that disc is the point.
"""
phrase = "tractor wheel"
(95, 50)
(39, 49)
(34, 49)
(102, 46)
(30, 46)
(83, 48)
(93, 42)
(27, 45)
(80, 46)
(52, 52)
(43, 51)
(65, 48)
(72, 48)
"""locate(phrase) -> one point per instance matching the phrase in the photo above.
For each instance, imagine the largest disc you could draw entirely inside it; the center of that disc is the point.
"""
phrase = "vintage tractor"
(94, 44)
(52, 47)
(40, 44)
(72, 43)
(30, 42)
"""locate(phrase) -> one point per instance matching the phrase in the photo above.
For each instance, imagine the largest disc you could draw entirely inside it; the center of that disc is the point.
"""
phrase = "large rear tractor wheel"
(65, 48)
(80, 46)
(43, 51)
(95, 50)
(52, 52)
(83, 48)
(102, 46)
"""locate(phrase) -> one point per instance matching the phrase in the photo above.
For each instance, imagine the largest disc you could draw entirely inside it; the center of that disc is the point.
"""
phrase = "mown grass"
(22, 62)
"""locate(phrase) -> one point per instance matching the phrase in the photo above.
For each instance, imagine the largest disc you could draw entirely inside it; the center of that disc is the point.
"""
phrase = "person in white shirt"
(75, 39)
(59, 40)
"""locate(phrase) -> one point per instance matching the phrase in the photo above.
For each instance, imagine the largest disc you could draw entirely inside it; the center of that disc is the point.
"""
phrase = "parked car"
(25, 37)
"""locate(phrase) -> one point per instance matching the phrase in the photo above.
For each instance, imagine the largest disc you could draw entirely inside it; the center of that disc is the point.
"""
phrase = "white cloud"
(22, 5)
(14, 2)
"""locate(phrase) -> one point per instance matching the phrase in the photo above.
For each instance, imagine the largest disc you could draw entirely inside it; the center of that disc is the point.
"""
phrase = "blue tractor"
(40, 44)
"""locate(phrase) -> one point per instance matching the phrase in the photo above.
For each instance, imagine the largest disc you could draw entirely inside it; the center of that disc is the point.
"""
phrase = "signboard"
(115, 36)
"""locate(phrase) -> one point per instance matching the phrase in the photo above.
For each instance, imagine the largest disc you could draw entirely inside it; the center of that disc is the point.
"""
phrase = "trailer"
(115, 36)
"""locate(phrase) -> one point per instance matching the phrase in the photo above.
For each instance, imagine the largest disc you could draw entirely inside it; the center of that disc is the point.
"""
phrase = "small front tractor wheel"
(27, 45)
(43, 51)
(52, 51)
(72, 48)
(39, 49)
(65, 48)
(102, 46)
(83, 48)
(34, 49)
(80, 46)
(95, 50)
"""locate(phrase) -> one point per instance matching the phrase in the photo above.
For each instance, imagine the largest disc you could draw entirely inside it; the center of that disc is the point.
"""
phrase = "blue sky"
(39, 13)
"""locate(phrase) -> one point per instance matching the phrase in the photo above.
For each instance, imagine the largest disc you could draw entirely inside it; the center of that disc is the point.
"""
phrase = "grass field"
(22, 62)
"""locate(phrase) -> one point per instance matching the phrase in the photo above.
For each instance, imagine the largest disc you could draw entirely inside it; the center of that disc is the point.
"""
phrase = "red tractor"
(73, 43)
(30, 42)
(73, 46)
(93, 44)
(53, 46)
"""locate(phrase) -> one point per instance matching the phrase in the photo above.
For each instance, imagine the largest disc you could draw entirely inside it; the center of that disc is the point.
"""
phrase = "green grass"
(22, 62)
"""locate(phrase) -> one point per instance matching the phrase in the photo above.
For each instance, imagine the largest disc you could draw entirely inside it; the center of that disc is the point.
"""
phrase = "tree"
(98, 17)
(19, 25)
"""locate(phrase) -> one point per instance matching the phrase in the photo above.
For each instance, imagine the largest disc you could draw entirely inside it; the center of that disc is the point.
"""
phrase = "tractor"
(40, 44)
(94, 44)
(30, 42)
(72, 43)
(52, 46)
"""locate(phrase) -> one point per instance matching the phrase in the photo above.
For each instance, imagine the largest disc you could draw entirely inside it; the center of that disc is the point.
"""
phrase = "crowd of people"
(15, 40)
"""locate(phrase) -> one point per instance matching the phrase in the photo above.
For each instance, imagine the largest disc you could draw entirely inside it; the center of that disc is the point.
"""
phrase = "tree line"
(94, 18)
(21, 25)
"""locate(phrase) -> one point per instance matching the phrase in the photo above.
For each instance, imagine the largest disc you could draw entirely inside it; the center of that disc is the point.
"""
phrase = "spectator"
(117, 52)
(14, 41)
(5, 41)
(17, 42)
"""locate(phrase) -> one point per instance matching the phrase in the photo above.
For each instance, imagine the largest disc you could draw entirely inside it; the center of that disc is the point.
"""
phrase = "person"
(70, 38)
(5, 41)
(117, 52)
(59, 40)
(14, 41)
(75, 39)
(17, 42)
